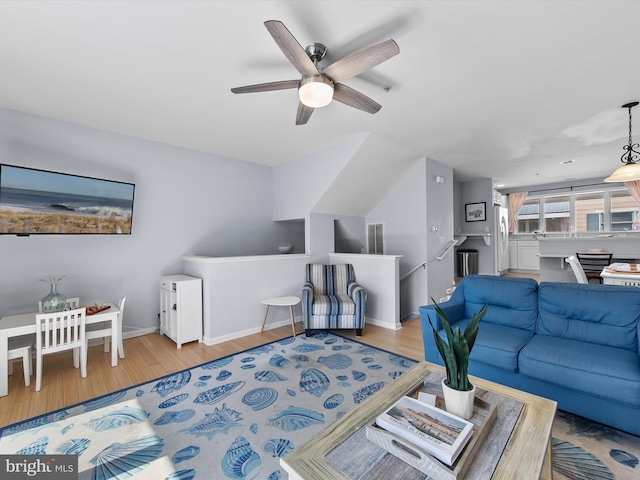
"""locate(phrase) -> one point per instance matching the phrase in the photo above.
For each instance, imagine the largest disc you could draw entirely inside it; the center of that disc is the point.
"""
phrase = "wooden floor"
(152, 356)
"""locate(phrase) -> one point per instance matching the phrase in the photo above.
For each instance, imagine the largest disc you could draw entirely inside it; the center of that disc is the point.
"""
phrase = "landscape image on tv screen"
(42, 202)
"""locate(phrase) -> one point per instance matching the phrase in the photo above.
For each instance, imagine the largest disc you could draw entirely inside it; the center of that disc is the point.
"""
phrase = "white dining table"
(25, 323)
(610, 276)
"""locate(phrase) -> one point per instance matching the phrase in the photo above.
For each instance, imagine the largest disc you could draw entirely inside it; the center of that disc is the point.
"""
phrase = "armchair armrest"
(354, 289)
(307, 301)
(359, 296)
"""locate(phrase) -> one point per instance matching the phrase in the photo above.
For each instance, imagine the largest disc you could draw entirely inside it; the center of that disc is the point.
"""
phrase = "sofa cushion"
(496, 345)
(511, 301)
(333, 305)
(598, 370)
(599, 314)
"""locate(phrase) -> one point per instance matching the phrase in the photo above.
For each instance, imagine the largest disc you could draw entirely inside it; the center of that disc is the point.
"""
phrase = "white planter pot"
(457, 402)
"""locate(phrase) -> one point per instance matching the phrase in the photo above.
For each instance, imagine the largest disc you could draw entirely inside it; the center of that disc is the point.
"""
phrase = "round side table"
(281, 302)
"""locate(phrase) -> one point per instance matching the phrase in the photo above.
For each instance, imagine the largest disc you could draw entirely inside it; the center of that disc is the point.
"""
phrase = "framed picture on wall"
(475, 212)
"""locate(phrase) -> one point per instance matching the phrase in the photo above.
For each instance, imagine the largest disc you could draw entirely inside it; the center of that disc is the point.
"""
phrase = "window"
(528, 216)
(595, 222)
(598, 211)
(590, 212)
(621, 221)
(556, 214)
(623, 211)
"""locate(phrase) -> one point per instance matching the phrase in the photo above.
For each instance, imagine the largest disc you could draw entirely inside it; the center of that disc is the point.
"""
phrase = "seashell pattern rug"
(586, 450)
(233, 418)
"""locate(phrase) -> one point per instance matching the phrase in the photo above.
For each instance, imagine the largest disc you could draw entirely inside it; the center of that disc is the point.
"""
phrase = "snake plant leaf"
(455, 352)
(445, 353)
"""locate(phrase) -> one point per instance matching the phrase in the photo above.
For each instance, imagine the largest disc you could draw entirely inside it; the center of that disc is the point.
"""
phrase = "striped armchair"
(331, 298)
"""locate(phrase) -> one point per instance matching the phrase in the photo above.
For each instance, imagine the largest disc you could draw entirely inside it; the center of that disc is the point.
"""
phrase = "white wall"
(404, 214)
(298, 185)
(186, 202)
(379, 275)
(233, 287)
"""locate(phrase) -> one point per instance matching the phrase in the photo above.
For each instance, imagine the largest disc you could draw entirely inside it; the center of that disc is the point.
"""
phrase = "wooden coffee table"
(517, 446)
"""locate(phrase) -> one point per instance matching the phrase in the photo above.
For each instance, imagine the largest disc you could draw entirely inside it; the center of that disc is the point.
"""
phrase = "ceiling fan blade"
(361, 61)
(304, 113)
(355, 99)
(291, 48)
(267, 87)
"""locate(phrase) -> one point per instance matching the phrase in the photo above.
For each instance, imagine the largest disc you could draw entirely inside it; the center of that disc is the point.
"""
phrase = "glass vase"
(54, 301)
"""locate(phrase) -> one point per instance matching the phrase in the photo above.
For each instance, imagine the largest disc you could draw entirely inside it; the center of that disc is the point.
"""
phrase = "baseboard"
(409, 316)
(209, 341)
(131, 332)
(382, 324)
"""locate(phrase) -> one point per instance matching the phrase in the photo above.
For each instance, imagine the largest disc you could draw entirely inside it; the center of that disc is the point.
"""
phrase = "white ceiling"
(501, 89)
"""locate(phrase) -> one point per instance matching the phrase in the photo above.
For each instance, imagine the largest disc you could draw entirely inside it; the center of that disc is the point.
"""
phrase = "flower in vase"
(52, 280)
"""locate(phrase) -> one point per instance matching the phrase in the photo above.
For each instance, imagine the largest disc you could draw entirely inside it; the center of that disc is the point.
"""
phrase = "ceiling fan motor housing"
(316, 52)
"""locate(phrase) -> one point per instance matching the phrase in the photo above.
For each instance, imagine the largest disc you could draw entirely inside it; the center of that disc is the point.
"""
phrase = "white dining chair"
(59, 332)
(21, 348)
(581, 277)
(103, 330)
(70, 304)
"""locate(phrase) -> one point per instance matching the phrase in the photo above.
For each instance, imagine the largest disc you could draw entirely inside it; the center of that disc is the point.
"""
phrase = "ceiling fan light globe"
(315, 91)
(627, 173)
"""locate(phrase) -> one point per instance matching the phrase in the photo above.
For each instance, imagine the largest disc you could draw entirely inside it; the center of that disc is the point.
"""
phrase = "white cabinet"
(524, 255)
(181, 308)
(528, 255)
(513, 255)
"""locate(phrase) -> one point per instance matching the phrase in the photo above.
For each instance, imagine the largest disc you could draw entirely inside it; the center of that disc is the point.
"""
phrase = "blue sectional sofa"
(577, 344)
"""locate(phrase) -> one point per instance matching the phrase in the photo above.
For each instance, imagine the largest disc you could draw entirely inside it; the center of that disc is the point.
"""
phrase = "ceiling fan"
(318, 86)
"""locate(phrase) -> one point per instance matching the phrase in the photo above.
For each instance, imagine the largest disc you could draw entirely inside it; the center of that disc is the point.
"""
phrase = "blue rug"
(229, 418)
(236, 416)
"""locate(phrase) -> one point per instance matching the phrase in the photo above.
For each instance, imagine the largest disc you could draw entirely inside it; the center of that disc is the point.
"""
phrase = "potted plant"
(458, 392)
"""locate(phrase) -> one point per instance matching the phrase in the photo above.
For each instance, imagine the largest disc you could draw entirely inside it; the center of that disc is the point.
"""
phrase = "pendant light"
(630, 171)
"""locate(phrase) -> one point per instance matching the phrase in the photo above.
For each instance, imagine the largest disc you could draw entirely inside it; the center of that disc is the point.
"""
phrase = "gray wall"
(414, 205)
(189, 202)
(186, 202)
(474, 192)
(404, 214)
(440, 228)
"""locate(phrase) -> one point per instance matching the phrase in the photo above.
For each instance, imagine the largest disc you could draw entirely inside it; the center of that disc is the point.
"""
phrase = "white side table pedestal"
(281, 302)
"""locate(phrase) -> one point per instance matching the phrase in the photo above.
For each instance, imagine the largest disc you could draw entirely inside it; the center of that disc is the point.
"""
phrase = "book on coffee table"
(432, 429)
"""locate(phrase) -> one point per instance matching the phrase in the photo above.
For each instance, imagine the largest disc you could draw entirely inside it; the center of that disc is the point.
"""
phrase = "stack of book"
(429, 428)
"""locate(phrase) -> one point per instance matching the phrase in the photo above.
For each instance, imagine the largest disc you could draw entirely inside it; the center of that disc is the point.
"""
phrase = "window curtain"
(516, 200)
(634, 190)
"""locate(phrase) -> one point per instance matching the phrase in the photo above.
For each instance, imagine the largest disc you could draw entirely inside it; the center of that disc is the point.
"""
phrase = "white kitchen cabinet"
(513, 255)
(181, 308)
(528, 255)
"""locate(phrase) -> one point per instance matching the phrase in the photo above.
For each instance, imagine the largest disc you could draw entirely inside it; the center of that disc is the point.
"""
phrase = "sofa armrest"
(453, 309)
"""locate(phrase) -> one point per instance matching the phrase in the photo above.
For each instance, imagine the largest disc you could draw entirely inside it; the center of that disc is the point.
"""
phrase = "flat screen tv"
(34, 202)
